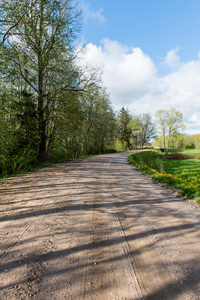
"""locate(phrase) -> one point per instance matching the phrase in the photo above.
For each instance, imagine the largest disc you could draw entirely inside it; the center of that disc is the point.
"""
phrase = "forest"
(51, 108)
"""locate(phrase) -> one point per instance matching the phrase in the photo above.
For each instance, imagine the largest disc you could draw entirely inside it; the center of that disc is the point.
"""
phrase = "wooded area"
(50, 107)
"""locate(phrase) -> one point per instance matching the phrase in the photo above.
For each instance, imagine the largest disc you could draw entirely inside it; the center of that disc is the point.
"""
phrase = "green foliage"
(148, 158)
(134, 131)
(147, 130)
(170, 122)
(188, 189)
(50, 109)
(14, 164)
(191, 152)
(179, 141)
(124, 127)
(76, 129)
(18, 132)
(190, 146)
(181, 174)
(175, 166)
(112, 150)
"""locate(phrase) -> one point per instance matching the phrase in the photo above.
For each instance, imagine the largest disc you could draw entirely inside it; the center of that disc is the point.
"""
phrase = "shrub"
(17, 163)
(190, 146)
(147, 147)
(112, 150)
(151, 159)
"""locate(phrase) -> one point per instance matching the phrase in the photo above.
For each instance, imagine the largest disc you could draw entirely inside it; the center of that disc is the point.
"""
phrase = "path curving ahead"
(96, 229)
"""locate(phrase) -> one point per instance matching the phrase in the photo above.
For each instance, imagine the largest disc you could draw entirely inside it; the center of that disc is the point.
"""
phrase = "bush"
(190, 146)
(112, 150)
(17, 163)
(147, 147)
(152, 159)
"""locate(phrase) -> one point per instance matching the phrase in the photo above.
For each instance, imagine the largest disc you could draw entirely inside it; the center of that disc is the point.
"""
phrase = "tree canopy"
(169, 121)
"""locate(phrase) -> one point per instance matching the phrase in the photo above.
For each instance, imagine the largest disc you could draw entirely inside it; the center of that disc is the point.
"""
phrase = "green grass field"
(183, 174)
(185, 151)
(174, 166)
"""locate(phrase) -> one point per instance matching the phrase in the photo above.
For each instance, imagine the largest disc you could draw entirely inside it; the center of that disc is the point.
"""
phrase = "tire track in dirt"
(11, 242)
(181, 283)
(135, 282)
(101, 279)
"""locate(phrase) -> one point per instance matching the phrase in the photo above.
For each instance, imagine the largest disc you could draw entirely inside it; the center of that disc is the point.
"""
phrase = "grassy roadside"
(30, 168)
(183, 172)
(41, 166)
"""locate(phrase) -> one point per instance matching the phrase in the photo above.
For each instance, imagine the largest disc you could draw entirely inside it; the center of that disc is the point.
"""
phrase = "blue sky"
(153, 46)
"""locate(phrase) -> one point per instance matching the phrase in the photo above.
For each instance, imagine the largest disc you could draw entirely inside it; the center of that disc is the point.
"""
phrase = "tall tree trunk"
(41, 118)
(42, 130)
(42, 123)
(164, 142)
(168, 142)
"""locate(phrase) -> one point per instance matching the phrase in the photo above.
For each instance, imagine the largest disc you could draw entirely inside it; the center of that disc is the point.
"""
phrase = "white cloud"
(132, 80)
(90, 14)
(126, 74)
(182, 90)
(172, 59)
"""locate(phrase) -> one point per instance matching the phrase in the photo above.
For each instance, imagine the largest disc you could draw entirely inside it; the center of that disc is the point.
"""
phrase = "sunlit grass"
(185, 151)
(183, 174)
(178, 166)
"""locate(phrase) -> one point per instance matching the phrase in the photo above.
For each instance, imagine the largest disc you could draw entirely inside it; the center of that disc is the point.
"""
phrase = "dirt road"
(96, 229)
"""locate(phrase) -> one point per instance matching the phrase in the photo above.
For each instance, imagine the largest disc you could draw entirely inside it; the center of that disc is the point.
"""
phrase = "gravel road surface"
(96, 229)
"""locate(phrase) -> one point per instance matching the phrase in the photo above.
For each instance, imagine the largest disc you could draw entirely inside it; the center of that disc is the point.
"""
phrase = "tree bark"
(42, 130)
(164, 142)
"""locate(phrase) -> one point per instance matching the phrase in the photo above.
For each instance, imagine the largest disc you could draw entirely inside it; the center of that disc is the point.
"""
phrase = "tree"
(143, 129)
(147, 129)
(136, 125)
(7, 27)
(174, 122)
(170, 121)
(124, 126)
(104, 124)
(162, 116)
(40, 45)
(48, 105)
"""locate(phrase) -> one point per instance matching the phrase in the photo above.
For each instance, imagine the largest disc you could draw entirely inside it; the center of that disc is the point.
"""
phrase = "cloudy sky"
(149, 51)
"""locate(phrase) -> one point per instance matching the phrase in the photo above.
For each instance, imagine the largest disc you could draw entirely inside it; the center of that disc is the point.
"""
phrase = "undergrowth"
(21, 164)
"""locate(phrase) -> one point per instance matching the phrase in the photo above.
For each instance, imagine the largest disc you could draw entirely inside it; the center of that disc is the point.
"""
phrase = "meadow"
(179, 168)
